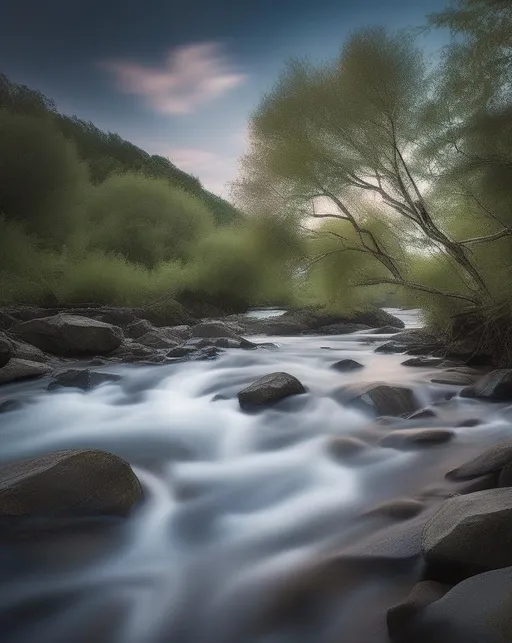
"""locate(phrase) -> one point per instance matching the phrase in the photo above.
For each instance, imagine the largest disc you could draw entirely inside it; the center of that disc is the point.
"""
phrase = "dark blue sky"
(178, 78)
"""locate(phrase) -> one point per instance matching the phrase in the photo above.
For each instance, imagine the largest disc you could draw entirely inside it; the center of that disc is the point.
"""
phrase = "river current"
(237, 506)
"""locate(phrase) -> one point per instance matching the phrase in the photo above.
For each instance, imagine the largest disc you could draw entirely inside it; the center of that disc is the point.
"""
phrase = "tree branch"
(415, 286)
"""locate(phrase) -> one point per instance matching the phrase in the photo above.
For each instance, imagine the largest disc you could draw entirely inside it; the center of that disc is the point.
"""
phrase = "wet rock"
(78, 482)
(423, 361)
(6, 321)
(424, 414)
(346, 365)
(10, 405)
(490, 481)
(182, 331)
(270, 389)
(337, 329)
(138, 328)
(468, 352)
(412, 438)
(456, 376)
(490, 461)
(22, 369)
(397, 509)
(6, 351)
(470, 422)
(471, 532)
(477, 610)
(387, 330)
(219, 398)
(379, 399)
(22, 350)
(496, 385)
(213, 329)
(413, 341)
(505, 478)
(70, 335)
(344, 447)
(83, 379)
(277, 327)
(156, 339)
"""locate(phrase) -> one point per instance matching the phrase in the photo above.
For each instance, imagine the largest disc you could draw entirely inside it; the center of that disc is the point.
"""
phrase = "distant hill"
(107, 153)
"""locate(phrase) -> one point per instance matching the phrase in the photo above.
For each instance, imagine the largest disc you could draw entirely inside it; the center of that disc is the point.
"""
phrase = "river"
(238, 507)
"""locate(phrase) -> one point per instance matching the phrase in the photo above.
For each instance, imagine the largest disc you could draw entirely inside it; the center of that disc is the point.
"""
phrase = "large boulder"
(22, 369)
(70, 483)
(490, 461)
(477, 610)
(378, 399)
(156, 339)
(496, 385)
(315, 318)
(70, 335)
(138, 328)
(472, 532)
(417, 341)
(270, 389)
(83, 379)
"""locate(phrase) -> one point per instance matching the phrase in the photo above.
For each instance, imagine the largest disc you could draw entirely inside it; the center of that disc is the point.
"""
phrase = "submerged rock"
(424, 414)
(411, 438)
(379, 399)
(346, 365)
(496, 385)
(81, 378)
(70, 335)
(78, 482)
(397, 509)
(345, 447)
(22, 369)
(490, 461)
(471, 532)
(270, 389)
(423, 361)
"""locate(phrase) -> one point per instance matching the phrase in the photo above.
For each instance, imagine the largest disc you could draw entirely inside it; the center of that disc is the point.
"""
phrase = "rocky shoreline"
(462, 545)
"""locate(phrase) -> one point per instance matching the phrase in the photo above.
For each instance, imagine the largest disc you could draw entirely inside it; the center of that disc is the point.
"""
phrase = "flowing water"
(238, 509)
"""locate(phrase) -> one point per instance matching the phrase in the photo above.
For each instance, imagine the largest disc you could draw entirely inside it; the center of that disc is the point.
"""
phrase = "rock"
(83, 379)
(379, 399)
(213, 329)
(468, 352)
(387, 330)
(496, 385)
(456, 377)
(181, 332)
(423, 361)
(78, 482)
(411, 438)
(219, 398)
(6, 321)
(470, 422)
(424, 414)
(397, 509)
(490, 461)
(314, 318)
(138, 328)
(477, 610)
(10, 405)
(70, 335)
(277, 327)
(337, 329)
(412, 340)
(346, 365)
(471, 532)
(505, 479)
(270, 389)
(22, 350)
(155, 339)
(422, 594)
(6, 351)
(194, 352)
(345, 447)
(22, 369)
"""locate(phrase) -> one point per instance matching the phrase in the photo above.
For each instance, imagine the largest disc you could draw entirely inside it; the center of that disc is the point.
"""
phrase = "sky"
(178, 78)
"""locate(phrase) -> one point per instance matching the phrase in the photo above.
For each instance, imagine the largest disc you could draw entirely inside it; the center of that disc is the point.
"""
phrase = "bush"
(144, 220)
(41, 178)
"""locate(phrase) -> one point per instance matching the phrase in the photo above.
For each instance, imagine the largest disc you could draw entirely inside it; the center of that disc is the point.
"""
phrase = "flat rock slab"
(22, 369)
(490, 461)
(69, 483)
(83, 379)
(496, 386)
(423, 361)
(270, 389)
(414, 438)
(70, 335)
(471, 532)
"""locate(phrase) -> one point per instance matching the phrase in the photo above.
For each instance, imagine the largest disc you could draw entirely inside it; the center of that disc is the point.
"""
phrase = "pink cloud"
(191, 76)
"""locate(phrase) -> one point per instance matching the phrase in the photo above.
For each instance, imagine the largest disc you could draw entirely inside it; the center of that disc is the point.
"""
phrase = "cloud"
(214, 170)
(191, 76)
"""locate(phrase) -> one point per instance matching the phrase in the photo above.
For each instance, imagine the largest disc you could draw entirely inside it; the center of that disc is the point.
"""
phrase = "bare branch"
(415, 286)
(491, 237)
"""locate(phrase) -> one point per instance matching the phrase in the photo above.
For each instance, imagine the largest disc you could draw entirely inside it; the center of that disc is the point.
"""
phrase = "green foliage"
(144, 220)
(41, 178)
